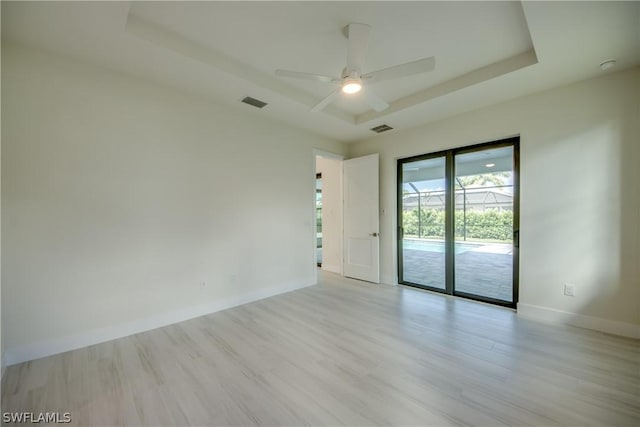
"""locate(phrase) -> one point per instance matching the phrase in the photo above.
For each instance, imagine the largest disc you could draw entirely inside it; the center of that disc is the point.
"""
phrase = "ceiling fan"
(352, 79)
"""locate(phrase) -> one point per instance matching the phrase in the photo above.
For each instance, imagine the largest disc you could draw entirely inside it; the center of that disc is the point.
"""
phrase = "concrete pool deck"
(485, 270)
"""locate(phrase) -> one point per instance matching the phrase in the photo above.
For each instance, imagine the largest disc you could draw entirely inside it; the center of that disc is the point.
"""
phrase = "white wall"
(331, 170)
(2, 361)
(580, 204)
(120, 198)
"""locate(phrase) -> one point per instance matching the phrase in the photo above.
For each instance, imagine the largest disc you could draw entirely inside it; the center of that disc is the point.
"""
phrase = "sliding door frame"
(450, 174)
(400, 229)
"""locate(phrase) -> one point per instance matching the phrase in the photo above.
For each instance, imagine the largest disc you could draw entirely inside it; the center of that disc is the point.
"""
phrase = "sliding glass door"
(423, 218)
(458, 217)
(484, 191)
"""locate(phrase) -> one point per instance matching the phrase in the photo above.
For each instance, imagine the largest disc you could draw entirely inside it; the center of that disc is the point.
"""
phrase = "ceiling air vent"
(381, 128)
(255, 102)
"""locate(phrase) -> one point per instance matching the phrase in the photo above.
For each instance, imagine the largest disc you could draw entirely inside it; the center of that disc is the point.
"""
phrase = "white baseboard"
(96, 336)
(550, 315)
(388, 280)
(332, 268)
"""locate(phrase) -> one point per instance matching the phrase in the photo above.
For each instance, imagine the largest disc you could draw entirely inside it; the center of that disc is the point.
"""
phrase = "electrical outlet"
(570, 290)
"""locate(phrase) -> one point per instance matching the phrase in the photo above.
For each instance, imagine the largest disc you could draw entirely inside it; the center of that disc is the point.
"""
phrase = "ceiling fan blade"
(307, 76)
(402, 70)
(325, 101)
(358, 35)
(376, 102)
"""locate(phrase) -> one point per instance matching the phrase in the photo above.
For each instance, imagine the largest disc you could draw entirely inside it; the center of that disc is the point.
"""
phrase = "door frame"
(449, 217)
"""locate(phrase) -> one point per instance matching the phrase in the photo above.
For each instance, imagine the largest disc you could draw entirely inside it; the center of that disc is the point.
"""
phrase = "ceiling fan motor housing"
(353, 74)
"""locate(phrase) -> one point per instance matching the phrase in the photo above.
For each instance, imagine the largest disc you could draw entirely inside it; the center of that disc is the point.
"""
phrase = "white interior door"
(361, 220)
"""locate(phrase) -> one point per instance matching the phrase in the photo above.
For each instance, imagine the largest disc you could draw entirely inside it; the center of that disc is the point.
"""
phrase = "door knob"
(374, 234)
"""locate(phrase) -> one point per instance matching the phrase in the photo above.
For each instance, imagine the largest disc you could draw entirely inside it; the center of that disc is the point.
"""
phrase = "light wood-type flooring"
(343, 353)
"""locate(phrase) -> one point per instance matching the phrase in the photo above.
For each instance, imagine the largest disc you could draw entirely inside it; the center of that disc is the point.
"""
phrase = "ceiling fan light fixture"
(350, 81)
(351, 86)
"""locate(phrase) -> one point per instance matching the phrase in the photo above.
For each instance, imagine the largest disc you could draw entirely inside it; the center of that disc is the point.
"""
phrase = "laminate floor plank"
(343, 352)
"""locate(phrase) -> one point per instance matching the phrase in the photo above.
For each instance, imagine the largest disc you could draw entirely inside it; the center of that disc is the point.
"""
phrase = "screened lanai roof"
(486, 197)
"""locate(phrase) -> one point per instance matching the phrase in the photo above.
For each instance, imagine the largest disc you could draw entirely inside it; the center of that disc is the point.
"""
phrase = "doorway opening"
(327, 220)
(319, 219)
(458, 216)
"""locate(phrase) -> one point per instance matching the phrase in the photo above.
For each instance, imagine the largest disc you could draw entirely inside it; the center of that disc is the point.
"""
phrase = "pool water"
(434, 246)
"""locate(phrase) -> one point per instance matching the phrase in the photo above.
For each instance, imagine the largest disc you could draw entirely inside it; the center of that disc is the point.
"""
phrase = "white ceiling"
(486, 52)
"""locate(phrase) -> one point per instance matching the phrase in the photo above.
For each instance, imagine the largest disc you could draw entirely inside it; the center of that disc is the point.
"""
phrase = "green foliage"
(483, 179)
(432, 223)
(488, 225)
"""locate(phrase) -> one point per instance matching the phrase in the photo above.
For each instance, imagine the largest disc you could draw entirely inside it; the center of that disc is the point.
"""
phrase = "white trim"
(317, 152)
(550, 315)
(388, 280)
(96, 336)
(332, 268)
